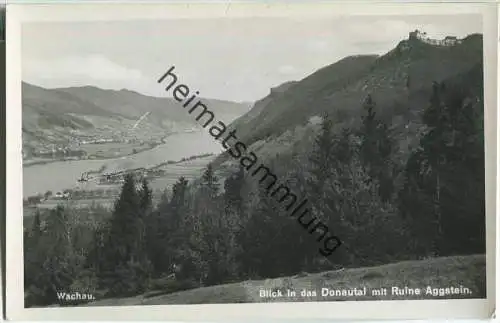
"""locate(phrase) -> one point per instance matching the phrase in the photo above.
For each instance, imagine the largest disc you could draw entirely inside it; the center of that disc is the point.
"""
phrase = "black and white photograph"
(252, 159)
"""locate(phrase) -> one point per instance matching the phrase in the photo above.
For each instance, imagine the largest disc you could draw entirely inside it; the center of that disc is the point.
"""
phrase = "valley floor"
(465, 275)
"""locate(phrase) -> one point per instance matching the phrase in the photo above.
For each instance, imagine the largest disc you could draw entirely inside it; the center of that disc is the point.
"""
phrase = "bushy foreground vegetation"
(384, 208)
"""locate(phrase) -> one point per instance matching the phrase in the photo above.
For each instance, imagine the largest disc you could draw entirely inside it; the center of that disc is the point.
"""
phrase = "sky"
(237, 59)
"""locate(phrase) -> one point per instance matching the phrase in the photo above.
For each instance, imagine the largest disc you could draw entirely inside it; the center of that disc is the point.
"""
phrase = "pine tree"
(56, 271)
(233, 187)
(124, 222)
(342, 176)
(376, 149)
(36, 229)
(386, 167)
(145, 217)
(33, 254)
(368, 130)
(146, 198)
(235, 215)
(322, 163)
(213, 240)
(444, 187)
(210, 181)
(178, 201)
(96, 255)
(330, 182)
(343, 148)
(125, 270)
(178, 216)
(258, 239)
(158, 235)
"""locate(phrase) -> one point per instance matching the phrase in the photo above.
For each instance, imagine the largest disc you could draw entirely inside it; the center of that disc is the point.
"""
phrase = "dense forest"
(383, 206)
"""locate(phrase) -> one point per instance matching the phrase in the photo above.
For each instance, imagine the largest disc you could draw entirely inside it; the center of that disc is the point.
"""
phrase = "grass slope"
(456, 271)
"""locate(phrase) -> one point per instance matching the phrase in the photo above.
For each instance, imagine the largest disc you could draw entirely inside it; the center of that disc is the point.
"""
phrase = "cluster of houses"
(96, 141)
(38, 198)
(53, 153)
(139, 173)
(62, 195)
(422, 36)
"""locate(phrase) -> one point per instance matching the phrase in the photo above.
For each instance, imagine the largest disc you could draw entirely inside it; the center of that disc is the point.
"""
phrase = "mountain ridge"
(57, 116)
(390, 78)
(399, 81)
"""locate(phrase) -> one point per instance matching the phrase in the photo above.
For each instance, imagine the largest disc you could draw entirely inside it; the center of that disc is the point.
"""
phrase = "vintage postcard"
(251, 161)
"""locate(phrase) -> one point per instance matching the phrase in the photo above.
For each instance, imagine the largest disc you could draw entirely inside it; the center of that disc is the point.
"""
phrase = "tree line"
(386, 207)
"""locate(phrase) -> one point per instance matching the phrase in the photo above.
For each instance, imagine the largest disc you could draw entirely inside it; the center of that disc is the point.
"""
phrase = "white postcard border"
(404, 309)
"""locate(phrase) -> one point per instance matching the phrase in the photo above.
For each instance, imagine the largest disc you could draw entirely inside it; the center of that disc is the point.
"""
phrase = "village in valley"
(105, 186)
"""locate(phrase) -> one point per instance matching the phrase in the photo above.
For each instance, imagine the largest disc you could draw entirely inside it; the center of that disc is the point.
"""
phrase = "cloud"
(317, 45)
(91, 69)
(380, 30)
(287, 69)
(238, 59)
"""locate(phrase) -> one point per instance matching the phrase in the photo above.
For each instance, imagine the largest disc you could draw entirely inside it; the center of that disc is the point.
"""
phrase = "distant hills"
(399, 81)
(131, 104)
(52, 116)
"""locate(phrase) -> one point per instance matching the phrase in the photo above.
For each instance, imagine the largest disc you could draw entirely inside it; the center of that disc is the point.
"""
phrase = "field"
(113, 149)
(436, 273)
(105, 195)
(189, 169)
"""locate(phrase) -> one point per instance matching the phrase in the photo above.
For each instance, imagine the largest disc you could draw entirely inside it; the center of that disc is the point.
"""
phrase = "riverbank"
(60, 175)
(88, 194)
(134, 150)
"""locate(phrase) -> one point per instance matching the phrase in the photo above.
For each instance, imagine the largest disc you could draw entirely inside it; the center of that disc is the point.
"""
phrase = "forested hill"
(379, 145)
(399, 78)
(58, 116)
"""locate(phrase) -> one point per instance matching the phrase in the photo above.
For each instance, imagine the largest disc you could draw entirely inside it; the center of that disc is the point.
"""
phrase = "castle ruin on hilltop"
(422, 36)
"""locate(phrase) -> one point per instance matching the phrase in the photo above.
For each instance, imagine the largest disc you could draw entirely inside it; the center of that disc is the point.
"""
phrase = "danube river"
(61, 175)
